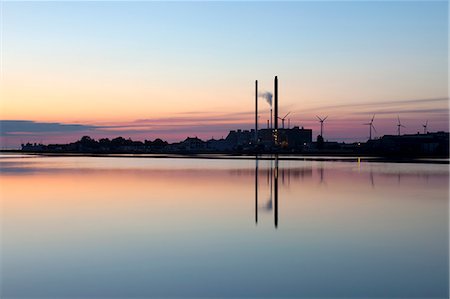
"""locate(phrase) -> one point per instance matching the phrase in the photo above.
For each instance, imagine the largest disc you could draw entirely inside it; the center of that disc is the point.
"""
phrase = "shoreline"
(331, 157)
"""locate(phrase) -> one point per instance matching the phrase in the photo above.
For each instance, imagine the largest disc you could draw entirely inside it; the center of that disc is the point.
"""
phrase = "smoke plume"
(267, 96)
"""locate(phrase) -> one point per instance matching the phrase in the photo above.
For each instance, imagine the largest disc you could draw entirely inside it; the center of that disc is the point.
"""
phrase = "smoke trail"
(267, 96)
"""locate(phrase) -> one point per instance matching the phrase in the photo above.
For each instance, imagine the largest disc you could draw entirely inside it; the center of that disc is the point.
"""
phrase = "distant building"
(410, 144)
(33, 147)
(192, 144)
(220, 145)
(240, 138)
(295, 138)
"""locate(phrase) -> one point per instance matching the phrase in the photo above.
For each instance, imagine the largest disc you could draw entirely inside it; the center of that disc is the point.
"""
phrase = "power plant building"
(294, 138)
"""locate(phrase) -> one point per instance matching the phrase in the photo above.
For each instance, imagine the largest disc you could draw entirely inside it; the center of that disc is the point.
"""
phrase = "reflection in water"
(272, 181)
(276, 192)
(256, 190)
(372, 182)
(321, 175)
(79, 227)
(275, 175)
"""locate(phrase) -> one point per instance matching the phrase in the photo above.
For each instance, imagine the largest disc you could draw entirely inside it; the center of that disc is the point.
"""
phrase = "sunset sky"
(171, 70)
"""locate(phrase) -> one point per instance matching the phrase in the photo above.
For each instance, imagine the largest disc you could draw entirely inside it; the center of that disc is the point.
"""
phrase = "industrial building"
(294, 138)
(429, 144)
(274, 137)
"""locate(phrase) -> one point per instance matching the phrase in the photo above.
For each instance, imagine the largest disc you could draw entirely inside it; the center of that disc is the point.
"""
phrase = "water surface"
(93, 227)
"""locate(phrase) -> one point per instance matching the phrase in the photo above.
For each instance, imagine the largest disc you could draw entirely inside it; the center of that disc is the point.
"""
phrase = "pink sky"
(183, 72)
(344, 123)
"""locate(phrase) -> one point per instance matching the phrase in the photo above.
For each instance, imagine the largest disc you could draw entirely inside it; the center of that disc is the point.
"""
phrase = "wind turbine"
(371, 126)
(425, 127)
(321, 124)
(399, 125)
(282, 119)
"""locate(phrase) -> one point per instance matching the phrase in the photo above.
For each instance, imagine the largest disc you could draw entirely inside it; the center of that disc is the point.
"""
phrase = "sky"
(176, 69)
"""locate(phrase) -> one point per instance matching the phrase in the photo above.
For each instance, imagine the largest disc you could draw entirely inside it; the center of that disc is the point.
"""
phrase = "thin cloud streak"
(371, 104)
(8, 127)
(434, 111)
(343, 123)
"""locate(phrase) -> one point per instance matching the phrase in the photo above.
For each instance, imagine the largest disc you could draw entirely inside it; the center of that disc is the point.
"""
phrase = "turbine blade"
(373, 127)
(373, 117)
(287, 114)
(325, 117)
(319, 118)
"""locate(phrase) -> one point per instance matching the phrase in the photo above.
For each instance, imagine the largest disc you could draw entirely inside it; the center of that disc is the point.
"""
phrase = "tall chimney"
(256, 111)
(271, 118)
(276, 111)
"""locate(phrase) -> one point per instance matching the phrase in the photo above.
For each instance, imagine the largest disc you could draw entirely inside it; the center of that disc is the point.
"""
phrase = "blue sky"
(93, 63)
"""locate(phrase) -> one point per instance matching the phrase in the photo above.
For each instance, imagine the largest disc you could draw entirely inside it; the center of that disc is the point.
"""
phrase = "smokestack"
(276, 103)
(256, 111)
(271, 118)
(276, 111)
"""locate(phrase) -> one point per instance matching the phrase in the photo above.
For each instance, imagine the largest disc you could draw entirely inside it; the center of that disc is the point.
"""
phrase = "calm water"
(84, 227)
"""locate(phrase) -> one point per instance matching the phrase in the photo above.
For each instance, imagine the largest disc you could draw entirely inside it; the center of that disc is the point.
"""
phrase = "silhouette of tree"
(87, 141)
(159, 143)
(104, 141)
(118, 141)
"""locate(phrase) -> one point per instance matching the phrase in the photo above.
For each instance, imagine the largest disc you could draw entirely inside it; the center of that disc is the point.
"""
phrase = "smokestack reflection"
(272, 172)
(276, 193)
(272, 175)
(256, 189)
(269, 205)
(321, 175)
